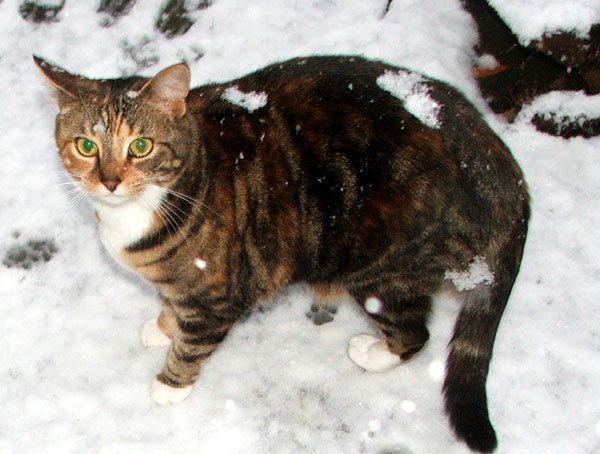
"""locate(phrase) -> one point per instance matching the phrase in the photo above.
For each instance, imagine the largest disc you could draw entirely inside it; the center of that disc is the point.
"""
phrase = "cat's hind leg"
(327, 298)
(402, 323)
(371, 353)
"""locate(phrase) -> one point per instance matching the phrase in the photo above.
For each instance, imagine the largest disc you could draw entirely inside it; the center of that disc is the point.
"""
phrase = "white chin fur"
(111, 200)
(125, 220)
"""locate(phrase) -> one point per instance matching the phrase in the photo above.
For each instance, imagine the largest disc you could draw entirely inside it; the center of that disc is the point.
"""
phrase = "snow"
(477, 273)
(408, 406)
(411, 88)
(75, 376)
(531, 19)
(486, 61)
(373, 305)
(436, 370)
(99, 128)
(200, 263)
(250, 101)
(563, 107)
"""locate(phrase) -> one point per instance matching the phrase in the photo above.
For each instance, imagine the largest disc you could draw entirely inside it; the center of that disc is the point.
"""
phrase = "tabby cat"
(353, 176)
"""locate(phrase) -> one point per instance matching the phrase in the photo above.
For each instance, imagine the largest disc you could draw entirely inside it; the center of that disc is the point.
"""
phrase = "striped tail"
(471, 350)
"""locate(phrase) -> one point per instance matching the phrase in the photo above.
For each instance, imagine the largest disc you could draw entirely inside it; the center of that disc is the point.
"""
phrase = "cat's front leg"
(202, 324)
(159, 332)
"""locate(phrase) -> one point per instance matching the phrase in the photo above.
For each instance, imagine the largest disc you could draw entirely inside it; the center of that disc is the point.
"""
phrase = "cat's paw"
(371, 353)
(163, 394)
(152, 335)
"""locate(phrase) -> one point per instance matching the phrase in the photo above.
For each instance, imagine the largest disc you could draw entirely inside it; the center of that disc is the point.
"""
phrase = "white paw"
(371, 353)
(163, 394)
(152, 336)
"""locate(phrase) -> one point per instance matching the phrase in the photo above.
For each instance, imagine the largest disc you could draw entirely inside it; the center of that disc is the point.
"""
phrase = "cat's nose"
(112, 184)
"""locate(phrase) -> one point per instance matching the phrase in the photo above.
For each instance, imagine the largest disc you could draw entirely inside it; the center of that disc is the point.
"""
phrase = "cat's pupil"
(140, 145)
(88, 145)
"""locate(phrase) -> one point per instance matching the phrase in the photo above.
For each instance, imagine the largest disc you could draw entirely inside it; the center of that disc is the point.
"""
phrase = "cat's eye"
(141, 147)
(86, 147)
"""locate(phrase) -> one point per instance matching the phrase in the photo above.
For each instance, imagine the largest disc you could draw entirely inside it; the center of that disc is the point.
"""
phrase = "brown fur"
(341, 188)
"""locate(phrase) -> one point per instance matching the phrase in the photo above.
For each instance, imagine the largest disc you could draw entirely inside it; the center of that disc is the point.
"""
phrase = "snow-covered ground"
(531, 19)
(74, 377)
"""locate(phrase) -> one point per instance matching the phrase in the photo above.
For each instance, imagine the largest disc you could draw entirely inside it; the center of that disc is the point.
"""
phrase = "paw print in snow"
(320, 315)
(28, 254)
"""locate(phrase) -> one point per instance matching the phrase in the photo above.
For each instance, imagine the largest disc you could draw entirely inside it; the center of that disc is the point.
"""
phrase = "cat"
(353, 176)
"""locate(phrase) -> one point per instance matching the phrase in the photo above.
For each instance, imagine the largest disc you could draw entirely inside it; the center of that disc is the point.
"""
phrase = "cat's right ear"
(66, 87)
(169, 89)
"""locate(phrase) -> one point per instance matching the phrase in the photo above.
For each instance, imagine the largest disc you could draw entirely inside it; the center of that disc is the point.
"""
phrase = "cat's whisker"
(46, 170)
(170, 219)
(173, 207)
(76, 188)
(193, 202)
(78, 195)
(162, 218)
(163, 212)
(173, 216)
(152, 180)
(183, 197)
(170, 208)
(66, 183)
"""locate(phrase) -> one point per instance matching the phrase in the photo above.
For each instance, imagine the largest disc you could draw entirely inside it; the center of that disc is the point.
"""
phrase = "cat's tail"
(470, 348)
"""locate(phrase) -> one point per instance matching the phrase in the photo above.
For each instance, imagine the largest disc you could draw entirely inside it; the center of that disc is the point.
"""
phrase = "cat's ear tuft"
(67, 87)
(169, 89)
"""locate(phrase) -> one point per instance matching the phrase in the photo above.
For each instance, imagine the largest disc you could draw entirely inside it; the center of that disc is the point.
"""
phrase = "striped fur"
(319, 175)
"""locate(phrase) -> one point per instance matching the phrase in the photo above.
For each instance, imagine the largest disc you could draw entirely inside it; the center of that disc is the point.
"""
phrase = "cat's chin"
(110, 199)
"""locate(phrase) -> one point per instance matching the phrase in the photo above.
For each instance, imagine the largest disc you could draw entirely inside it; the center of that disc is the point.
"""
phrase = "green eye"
(140, 147)
(86, 147)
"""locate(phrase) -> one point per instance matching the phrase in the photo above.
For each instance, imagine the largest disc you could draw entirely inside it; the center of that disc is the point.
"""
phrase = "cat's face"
(123, 139)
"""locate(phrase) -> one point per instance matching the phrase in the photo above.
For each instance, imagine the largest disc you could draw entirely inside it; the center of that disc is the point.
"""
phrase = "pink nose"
(112, 184)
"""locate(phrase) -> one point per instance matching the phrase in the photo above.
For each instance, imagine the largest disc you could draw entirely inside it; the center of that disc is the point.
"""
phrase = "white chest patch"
(122, 224)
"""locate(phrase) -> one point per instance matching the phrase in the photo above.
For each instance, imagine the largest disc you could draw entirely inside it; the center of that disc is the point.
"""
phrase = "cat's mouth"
(111, 199)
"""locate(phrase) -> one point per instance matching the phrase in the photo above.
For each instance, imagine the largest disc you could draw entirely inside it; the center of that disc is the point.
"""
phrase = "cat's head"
(122, 138)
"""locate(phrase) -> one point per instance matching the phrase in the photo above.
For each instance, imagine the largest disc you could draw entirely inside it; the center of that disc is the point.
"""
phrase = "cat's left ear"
(67, 87)
(168, 89)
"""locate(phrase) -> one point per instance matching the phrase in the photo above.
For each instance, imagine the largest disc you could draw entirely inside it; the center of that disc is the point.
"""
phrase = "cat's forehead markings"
(123, 138)
(113, 117)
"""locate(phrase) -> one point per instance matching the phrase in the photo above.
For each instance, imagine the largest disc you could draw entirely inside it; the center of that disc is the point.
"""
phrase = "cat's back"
(322, 107)
(347, 95)
(380, 118)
